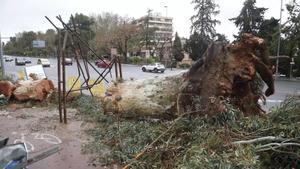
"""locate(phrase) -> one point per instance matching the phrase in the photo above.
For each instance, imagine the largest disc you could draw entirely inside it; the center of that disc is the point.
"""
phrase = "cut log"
(33, 90)
(6, 88)
(150, 97)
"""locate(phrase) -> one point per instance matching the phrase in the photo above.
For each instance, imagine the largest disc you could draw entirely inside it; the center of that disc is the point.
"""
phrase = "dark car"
(19, 62)
(102, 63)
(8, 59)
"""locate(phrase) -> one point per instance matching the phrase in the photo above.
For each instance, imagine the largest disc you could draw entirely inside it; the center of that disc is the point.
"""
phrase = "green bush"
(151, 60)
(184, 66)
(135, 59)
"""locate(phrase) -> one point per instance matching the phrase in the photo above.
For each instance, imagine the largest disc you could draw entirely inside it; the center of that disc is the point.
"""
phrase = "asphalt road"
(283, 87)
(129, 71)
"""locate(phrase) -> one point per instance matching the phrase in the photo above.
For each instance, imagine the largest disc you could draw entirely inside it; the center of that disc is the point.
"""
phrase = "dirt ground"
(39, 127)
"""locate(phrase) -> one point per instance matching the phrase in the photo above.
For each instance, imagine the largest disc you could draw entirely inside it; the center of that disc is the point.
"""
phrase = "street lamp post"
(147, 28)
(292, 62)
(1, 57)
(279, 37)
(291, 67)
(171, 52)
(166, 10)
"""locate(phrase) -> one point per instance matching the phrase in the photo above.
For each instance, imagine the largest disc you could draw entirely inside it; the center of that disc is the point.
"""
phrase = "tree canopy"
(203, 22)
(196, 46)
(177, 48)
(203, 27)
(250, 18)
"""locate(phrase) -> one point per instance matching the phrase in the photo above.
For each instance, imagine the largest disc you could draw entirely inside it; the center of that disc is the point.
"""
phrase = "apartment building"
(163, 27)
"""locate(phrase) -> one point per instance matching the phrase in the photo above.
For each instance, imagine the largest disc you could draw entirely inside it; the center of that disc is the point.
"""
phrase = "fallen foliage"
(227, 140)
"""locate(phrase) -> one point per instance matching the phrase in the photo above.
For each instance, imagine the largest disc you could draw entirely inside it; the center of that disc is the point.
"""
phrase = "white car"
(155, 67)
(43, 62)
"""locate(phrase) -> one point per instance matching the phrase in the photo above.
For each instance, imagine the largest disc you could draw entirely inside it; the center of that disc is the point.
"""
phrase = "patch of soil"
(40, 128)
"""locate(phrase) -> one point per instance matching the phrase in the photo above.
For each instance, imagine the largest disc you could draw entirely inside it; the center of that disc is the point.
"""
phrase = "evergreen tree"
(269, 32)
(203, 22)
(196, 46)
(292, 37)
(250, 18)
(177, 48)
(83, 25)
(203, 27)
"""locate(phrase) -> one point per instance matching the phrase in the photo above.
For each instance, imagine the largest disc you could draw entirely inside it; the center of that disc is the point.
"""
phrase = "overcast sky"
(26, 15)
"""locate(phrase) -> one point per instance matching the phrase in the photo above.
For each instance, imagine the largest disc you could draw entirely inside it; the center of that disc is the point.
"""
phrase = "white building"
(162, 36)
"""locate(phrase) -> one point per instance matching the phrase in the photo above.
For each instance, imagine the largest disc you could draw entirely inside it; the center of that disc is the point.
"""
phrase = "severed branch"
(269, 146)
(260, 139)
(272, 146)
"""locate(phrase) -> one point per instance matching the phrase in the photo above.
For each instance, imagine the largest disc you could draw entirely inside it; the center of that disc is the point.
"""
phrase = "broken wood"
(148, 97)
(7, 88)
(33, 90)
(227, 73)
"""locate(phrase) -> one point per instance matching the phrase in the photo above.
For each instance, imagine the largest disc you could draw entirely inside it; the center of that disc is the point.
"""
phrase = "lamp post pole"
(171, 53)
(1, 57)
(279, 37)
(166, 10)
(292, 62)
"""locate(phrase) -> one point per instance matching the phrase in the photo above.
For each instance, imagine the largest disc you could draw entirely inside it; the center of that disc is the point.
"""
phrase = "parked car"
(102, 63)
(279, 75)
(156, 67)
(27, 61)
(8, 59)
(19, 62)
(43, 62)
(68, 61)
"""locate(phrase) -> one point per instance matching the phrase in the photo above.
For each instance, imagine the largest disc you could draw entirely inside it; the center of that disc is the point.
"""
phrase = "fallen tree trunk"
(151, 97)
(33, 90)
(225, 73)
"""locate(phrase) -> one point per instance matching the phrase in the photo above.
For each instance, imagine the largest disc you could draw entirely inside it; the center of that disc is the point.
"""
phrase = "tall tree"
(250, 18)
(292, 35)
(106, 25)
(123, 36)
(196, 45)
(50, 37)
(116, 31)
(203, 27)
(203, 22)
(269, 32)
(177, 48)
(83, 25)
